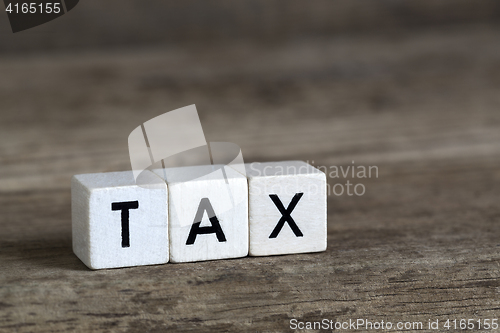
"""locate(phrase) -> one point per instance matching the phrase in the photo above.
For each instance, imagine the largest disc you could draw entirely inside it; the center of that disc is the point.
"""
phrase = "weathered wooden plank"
(422, 243)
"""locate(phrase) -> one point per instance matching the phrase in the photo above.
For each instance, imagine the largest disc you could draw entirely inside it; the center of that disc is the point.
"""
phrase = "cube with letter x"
(117, 223)
(287, 208)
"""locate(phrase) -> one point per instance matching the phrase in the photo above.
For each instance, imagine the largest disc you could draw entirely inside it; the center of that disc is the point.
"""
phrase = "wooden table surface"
(423, 242)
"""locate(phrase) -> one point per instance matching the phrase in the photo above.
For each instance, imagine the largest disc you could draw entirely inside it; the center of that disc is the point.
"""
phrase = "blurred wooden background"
(135, 23)
(409, 86)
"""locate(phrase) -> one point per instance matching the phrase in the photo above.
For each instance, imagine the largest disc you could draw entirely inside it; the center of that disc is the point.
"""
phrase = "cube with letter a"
(117, 223)
(208, 212)
(287, 208)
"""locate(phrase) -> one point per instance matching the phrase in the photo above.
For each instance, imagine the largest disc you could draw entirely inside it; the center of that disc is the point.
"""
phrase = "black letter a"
(197, 230)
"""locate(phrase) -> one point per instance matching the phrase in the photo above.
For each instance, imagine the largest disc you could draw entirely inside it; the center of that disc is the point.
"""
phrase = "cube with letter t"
(117, 223)
(287, 208)
(208, 212)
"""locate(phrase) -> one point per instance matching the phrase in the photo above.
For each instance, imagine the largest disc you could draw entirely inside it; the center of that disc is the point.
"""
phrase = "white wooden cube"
(208, 213)
(287, 208)
(116, 223)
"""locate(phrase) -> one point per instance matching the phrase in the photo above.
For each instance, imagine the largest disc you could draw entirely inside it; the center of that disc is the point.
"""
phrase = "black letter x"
(286, 215)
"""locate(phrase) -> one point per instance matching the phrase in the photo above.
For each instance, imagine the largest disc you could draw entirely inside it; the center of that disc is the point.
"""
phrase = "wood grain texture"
(114, 24)
(422, 243)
